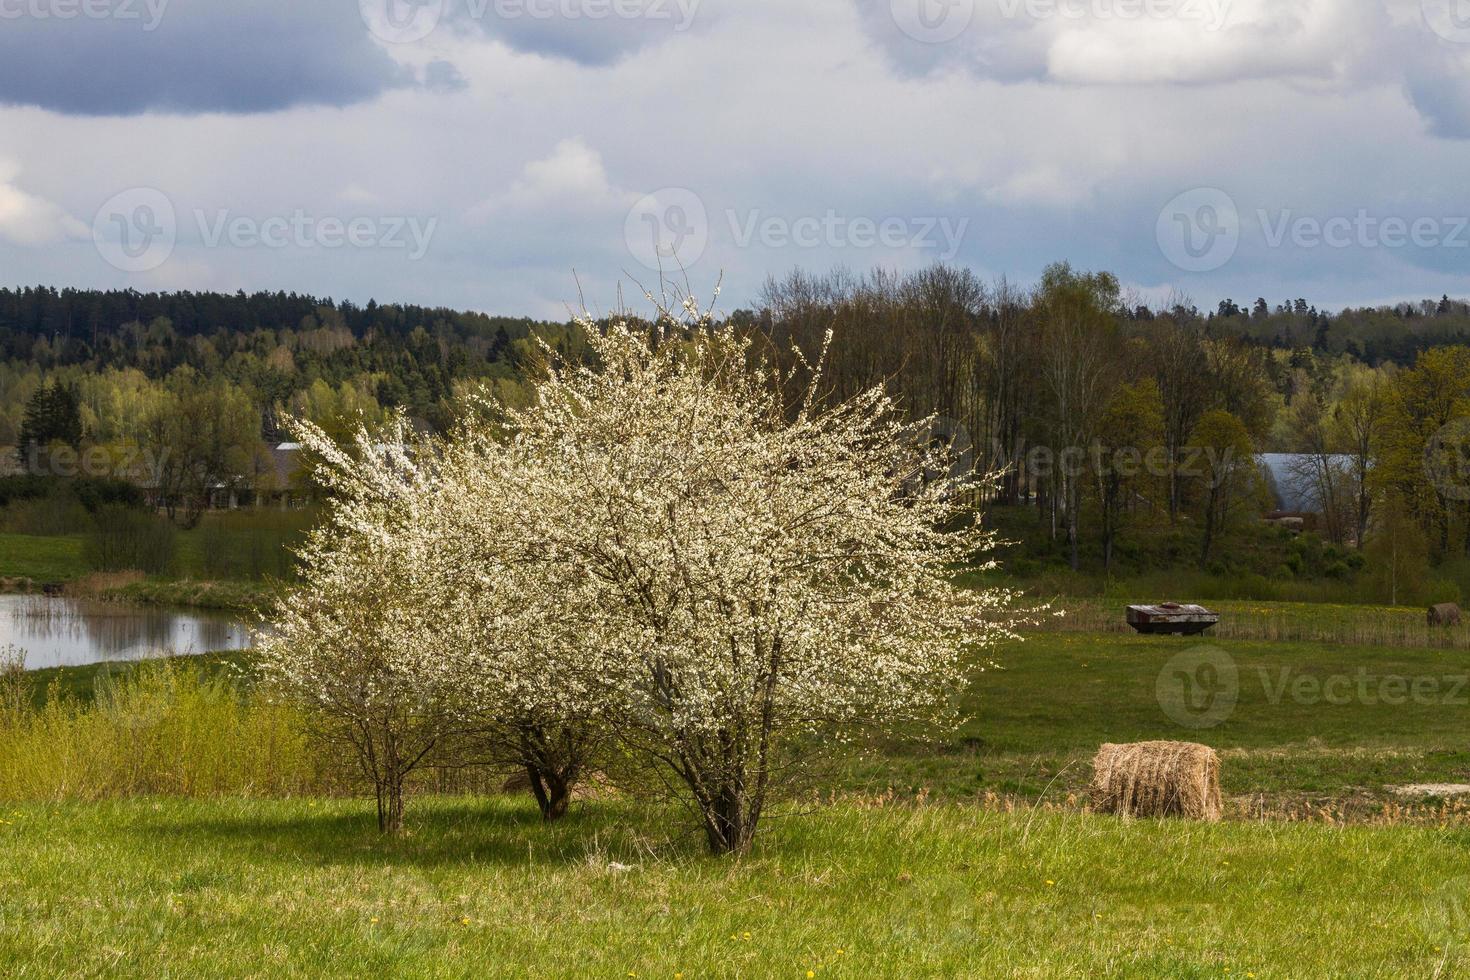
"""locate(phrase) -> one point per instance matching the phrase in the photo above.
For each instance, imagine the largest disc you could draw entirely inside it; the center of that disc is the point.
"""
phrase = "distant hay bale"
(1444, 614)
(1157, 779)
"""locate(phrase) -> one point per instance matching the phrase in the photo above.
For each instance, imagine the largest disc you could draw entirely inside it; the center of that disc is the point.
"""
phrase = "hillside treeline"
(1106, 415)
(1109, 416)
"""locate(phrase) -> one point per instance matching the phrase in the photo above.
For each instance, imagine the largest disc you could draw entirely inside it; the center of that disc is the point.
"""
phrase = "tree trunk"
(553, 792)
(730, 820)
(390, 802)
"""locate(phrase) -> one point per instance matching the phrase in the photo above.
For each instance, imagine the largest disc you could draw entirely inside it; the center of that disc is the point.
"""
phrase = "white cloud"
(29, 220)
(571, 177)
(1056, 139)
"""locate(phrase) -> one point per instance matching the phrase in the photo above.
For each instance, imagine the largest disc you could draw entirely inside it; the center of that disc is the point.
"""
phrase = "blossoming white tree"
(661, 546)
(349, 644)
(763, 579)
(426, 620)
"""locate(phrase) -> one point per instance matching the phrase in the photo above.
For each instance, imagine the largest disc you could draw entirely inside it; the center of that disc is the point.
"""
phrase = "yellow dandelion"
(464, 921)
(746, 936)
(811, 973)
(373, 919)
(1050, 882)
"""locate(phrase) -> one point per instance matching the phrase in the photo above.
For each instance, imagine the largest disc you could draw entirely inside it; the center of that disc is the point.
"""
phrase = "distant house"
(279, 481)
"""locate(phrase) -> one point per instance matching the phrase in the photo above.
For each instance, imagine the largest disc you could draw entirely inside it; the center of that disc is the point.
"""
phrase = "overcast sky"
(473, 153)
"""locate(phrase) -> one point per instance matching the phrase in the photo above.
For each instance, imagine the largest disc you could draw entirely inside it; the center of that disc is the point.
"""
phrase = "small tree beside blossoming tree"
(426, 618)
(349, 644)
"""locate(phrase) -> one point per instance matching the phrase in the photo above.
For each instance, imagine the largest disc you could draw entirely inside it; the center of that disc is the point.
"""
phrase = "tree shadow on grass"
(438, 833)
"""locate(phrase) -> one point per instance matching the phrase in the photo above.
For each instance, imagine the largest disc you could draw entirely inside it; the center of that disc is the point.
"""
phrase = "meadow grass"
(1355, 625)
(42, 559)
(1035, 719)
(158, 887)
(164, 819)
(1038, 716)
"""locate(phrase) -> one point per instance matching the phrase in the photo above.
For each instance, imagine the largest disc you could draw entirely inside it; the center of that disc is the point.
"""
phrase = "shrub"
(160, 727)
(253, 544)
(56, 514)
(124, 538)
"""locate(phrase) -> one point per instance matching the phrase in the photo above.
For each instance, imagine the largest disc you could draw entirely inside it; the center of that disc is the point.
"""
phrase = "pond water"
(57, 632)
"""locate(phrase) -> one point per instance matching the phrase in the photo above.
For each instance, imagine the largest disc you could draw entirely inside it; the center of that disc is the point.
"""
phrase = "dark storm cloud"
(123, 57)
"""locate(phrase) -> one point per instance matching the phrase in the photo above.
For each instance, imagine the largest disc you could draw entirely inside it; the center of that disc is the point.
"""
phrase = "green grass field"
(1039, 716)
(301, 888)
(932, 861)
(43, 559)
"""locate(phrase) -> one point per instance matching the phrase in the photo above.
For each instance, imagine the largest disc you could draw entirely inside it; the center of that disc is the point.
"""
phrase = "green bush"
(49, 516)
(250, 545)
(155, 728)
(127, 539)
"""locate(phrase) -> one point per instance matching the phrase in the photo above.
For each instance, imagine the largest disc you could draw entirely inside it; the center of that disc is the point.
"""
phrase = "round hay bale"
(1157, 779)
(1444, 614)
